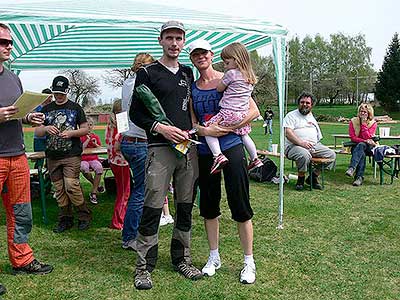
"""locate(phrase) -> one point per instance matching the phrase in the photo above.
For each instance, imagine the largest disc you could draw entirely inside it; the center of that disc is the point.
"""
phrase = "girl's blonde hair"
(141, 59)
(117, 106)
(239, 54)
(369, 108)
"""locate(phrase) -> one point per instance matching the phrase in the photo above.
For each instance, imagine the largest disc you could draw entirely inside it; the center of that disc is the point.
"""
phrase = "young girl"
(91, 161)
(119, 167)
(237, 85)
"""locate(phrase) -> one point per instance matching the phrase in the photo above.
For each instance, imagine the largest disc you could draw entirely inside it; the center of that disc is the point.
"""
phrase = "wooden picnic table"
(346, 136)
(35, 156)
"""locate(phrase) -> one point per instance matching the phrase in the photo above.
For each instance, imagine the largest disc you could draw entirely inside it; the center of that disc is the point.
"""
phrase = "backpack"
(264, 173)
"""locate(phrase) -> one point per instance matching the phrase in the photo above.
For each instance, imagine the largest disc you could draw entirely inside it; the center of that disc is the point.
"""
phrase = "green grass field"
(340, 243)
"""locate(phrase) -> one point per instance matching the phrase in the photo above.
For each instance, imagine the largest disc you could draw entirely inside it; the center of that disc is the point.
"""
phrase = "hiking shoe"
(3, 289)
(129, 245)
(248, 274)
(143, 280)
(315, 184)
(101, 189)
(165, 220)
(256, 163)
(358, 181)
(93, 198)
(350, 172)
(188, 270)
(35, 267)
(219, 162)
(83, 225)
(63, 225)
(211, 265)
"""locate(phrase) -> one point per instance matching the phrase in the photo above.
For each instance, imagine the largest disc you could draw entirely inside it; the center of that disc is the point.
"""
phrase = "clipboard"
(27, 102)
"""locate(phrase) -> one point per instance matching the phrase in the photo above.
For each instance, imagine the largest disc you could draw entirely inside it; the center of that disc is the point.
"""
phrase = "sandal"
(93, 198)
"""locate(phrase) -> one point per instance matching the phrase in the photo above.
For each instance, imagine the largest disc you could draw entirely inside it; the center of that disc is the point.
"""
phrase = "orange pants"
(16, 195)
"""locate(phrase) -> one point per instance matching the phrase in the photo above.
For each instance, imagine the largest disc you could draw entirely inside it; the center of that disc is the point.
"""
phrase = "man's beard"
(304, 111)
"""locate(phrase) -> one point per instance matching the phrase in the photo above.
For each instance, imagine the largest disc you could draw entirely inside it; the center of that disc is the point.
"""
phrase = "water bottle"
(270, 143)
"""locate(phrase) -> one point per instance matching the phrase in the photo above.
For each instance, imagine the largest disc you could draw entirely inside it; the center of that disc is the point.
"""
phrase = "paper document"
(122, 121)
(27, 102)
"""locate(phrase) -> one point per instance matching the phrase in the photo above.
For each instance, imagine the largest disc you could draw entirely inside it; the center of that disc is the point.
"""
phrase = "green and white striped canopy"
(109, 33)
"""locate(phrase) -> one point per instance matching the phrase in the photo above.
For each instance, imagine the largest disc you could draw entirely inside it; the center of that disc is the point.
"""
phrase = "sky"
(377, 20)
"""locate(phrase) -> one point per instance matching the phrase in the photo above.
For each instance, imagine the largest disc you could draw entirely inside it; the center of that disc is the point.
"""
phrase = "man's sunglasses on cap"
(5, 42)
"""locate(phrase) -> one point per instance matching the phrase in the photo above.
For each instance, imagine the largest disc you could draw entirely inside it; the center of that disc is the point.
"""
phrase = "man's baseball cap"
(172, 25)
(199, 44)
(60, 85)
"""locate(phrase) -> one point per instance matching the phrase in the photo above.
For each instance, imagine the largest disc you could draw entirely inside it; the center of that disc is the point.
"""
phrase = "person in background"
(91, 162)
(205, 99)
(237, 85)
(14, 168)
(120, 168)
(65, 122)
(166, 217)
(303, 141)
(268, 115)
(134, 149)
(39, 143)
(362, 129)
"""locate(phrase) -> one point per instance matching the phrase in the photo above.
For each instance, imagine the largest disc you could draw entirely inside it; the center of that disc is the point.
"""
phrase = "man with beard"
(303, 137)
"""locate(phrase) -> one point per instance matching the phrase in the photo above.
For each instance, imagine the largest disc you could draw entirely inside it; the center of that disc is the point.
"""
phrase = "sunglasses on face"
(5, 42)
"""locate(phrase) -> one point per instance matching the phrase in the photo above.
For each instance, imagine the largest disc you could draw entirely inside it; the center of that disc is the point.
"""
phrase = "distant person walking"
(268, 115)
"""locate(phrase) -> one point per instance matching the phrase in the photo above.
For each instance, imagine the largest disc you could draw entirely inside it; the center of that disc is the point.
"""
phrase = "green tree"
(388, 81)
(330, 69)
(265, 89)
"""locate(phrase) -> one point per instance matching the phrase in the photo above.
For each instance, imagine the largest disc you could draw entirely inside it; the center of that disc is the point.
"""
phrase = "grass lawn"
(340, 243)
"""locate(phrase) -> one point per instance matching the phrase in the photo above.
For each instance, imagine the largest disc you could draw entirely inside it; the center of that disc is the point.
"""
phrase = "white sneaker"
(211, 265)
(248, 274)
(169, 219)
(163, 221)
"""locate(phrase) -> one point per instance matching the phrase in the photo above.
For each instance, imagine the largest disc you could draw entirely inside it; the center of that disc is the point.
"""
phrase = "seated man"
(303, 137)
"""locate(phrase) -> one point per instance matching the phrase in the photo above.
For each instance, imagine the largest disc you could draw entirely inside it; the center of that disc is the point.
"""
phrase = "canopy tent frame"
(95, 34)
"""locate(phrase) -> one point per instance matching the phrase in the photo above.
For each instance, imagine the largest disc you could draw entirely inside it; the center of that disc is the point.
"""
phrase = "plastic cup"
(275, 148)
(384, 131)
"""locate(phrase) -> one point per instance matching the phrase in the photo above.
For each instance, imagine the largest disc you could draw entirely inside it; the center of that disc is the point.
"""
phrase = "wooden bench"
(389, 165)
(314, 161)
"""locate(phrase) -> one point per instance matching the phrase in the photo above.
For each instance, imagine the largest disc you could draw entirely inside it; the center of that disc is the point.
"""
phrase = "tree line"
(336, 70)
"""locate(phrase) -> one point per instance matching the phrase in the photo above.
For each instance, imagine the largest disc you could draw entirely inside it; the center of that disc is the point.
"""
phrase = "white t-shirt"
(305, 127)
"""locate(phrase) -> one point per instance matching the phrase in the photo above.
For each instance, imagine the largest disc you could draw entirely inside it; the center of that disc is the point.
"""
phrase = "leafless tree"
(83, 87)
(116, 77)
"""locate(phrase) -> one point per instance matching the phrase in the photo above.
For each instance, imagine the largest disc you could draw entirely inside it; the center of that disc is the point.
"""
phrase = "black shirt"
(173, 93)
(66, 116)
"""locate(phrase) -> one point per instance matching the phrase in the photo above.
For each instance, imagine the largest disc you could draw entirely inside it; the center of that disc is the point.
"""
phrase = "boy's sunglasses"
(5, 42)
